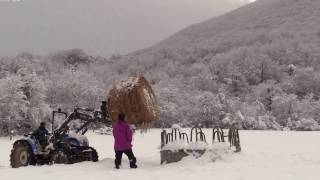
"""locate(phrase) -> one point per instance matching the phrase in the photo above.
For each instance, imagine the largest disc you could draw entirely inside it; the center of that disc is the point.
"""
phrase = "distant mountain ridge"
(264, 17)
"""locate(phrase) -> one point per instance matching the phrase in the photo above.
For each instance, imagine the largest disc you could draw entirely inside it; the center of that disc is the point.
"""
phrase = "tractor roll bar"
(54, 114)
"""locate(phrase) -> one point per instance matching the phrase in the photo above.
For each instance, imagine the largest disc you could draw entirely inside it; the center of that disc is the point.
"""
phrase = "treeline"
(32, 86)
(267, 84)
(260, 87)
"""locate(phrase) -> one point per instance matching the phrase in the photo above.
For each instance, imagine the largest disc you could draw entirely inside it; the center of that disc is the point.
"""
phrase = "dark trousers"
(130, 155)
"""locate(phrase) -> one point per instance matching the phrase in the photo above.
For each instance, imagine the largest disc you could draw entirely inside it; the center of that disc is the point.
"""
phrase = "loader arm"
(88, 116)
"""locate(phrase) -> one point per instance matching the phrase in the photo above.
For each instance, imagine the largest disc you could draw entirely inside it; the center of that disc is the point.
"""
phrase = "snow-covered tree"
(74, 89)
(34, 90)
(13, 101)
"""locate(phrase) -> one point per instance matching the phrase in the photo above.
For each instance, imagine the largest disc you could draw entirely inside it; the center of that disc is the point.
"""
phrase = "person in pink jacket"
(122, 134)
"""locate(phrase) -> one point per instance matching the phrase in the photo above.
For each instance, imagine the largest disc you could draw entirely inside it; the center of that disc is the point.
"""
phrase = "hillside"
(264, 21)
(266, 52)
(257, 66)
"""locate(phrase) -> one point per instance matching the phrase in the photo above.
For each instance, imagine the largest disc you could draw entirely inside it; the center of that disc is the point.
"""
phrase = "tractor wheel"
(21, 155)
(60, 156)
(94, 155)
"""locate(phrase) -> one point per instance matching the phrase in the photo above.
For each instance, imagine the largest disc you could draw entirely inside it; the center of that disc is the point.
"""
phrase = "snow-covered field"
(266, 155)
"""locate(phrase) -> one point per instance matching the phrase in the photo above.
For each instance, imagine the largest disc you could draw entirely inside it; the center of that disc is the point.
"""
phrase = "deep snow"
(266, 155)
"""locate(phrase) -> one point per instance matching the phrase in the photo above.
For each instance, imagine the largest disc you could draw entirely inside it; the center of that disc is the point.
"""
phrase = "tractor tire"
(60, 156)
(94, 155)
(21, 155)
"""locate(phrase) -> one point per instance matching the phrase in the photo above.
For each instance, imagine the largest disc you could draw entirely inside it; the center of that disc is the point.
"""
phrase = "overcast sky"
(100, 27)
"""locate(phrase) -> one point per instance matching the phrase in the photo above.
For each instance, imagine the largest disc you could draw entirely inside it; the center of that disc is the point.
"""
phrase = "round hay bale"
(136, 99)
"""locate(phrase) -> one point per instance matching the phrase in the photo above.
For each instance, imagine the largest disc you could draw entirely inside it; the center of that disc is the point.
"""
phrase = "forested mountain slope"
(257, 66)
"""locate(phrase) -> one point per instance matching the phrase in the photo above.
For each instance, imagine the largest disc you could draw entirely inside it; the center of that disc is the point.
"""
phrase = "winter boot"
(133, 162)
(133, 166)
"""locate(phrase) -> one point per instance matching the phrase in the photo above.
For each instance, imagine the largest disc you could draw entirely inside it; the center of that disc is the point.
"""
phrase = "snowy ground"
(266, 155)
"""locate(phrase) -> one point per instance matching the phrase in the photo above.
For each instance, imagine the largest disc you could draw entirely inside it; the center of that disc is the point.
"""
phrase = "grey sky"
(100, 27)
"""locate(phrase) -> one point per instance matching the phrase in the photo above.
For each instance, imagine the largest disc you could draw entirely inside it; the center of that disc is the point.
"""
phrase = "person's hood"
(122, 123)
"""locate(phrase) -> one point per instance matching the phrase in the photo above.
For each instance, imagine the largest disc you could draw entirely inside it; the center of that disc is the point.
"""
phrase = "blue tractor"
(66, 145)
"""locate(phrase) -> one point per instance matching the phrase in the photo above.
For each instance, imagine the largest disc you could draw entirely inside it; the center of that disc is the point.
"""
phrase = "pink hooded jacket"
(122, 136)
